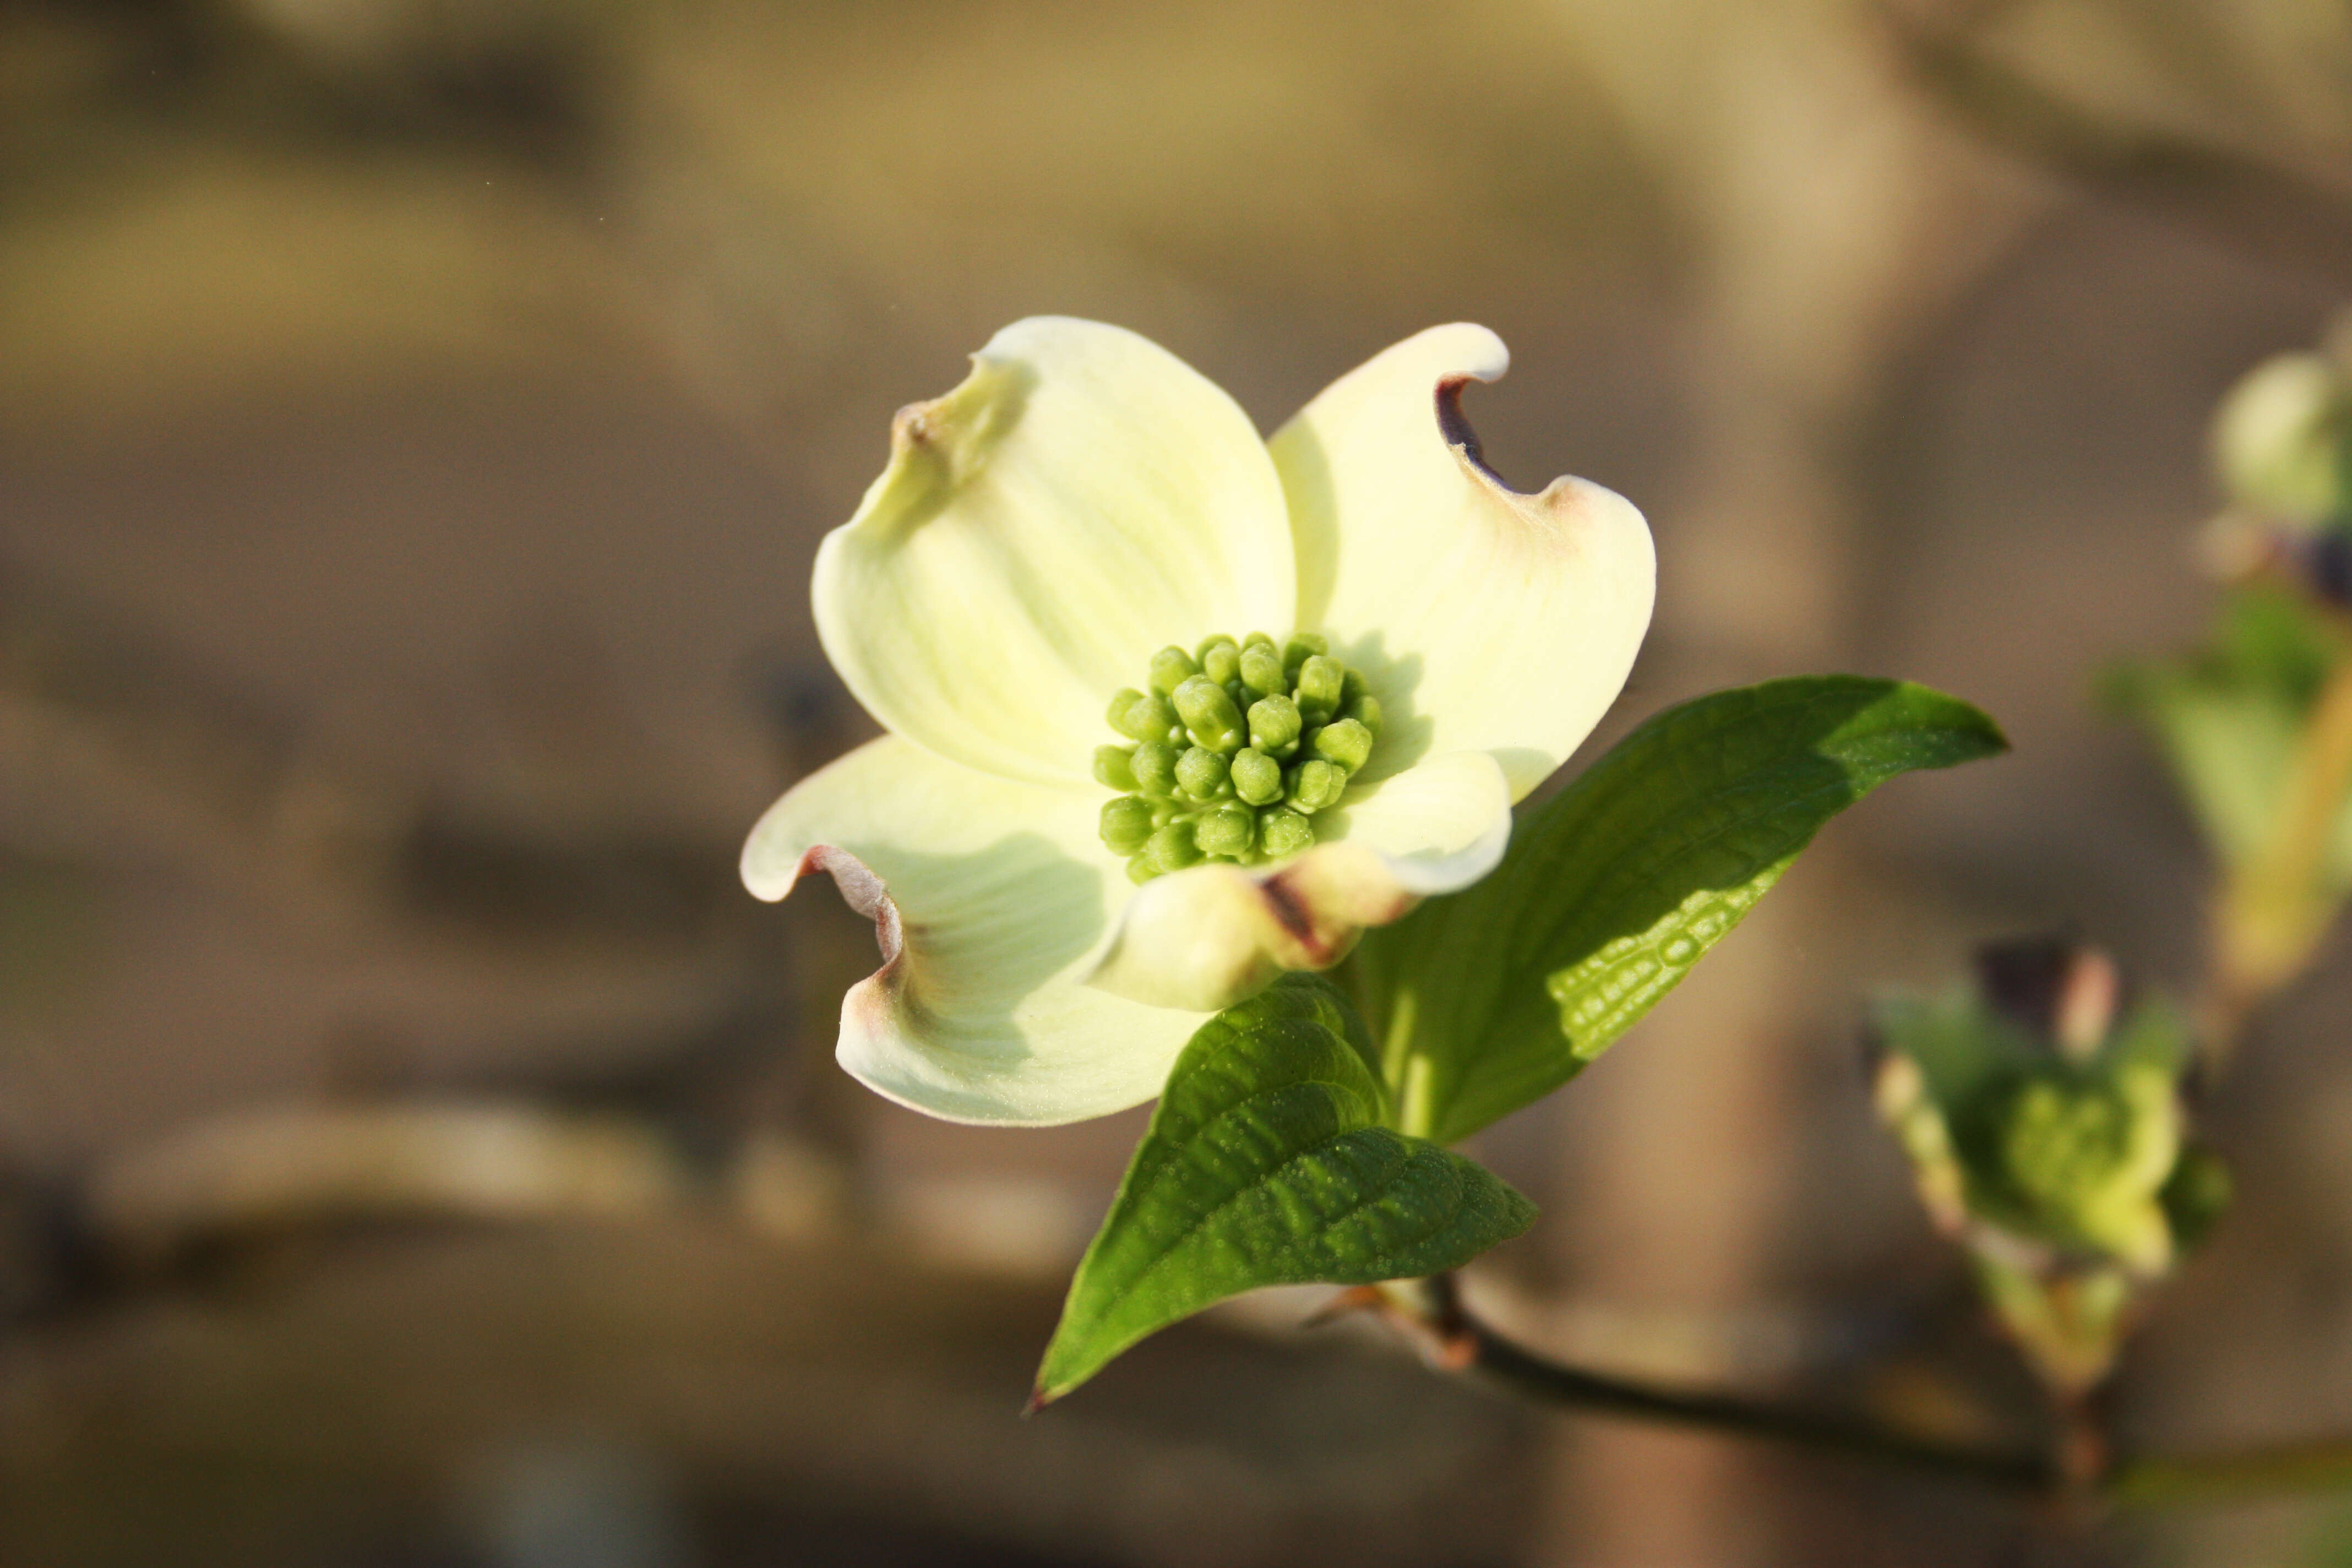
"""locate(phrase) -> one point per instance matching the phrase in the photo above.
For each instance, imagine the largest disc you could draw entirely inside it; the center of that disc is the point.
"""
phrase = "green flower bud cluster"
(2045, 1114)
(1232, 751)
(2056, 1119)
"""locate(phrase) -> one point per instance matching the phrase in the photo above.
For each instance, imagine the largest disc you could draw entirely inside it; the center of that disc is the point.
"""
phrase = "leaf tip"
(1964, 717)
(1059, 1375)
(1996, 739)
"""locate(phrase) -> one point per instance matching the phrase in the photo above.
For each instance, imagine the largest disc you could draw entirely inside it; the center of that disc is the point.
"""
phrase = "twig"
(1454, 1340)
(1457, 1342)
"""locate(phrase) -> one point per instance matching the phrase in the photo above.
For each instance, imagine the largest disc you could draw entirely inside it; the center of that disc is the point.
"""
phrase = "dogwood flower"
(1312, 673)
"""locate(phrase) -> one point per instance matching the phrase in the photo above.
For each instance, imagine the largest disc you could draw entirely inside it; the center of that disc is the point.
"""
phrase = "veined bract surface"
(1081, 503)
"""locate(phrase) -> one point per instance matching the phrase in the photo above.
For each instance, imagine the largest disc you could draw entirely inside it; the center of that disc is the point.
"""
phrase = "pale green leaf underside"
(1615, 888)
(1265, 1164)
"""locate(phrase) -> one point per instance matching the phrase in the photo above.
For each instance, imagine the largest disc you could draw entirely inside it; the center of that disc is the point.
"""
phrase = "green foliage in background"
(2257, 724)
(2230, 715)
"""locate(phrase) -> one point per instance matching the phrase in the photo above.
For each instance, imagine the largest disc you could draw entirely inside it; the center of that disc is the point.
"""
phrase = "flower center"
(1233, 752)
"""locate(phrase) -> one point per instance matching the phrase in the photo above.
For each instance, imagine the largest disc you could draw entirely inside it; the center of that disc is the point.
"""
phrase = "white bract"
(1081, 501)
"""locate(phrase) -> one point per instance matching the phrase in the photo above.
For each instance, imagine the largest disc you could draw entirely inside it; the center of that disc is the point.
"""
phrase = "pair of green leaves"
(1293, 1146)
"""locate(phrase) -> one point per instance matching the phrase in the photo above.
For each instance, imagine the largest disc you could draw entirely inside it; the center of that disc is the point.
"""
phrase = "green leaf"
(2231, 717)
(1265, 1164)
(1493, 997)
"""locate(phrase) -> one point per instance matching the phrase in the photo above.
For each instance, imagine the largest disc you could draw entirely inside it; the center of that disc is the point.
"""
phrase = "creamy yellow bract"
(1081, 501)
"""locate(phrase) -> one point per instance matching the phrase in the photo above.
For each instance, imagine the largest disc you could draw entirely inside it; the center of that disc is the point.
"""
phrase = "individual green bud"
(1257, 640)
(1121, 701)
(1227, 831)
(1316, 785)
(1364, 710)
(1262, 670)
(1209, 715)
(1126, 824)
(1201, 773)
(1274, 726)
(1257, 778)
(1345, 742)
(1301, 647)
(1352, 687)
(1114, 769)
(1154, 766)
(1171, 668)
(1174, 848)
(1141, 716)
(1284, 832)
(1140, 869)
(1220, 659)
(1321, 681)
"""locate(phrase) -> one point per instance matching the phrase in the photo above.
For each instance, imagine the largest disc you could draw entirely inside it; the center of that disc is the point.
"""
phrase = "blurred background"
(417, 419)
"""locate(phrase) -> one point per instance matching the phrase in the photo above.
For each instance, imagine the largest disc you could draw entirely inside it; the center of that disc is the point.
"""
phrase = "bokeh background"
(416, 418)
